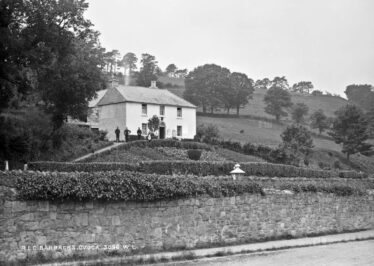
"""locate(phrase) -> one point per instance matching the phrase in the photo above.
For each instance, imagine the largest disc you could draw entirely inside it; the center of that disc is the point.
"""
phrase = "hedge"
(81, 167)
(135, 186)
(199, 168)
(153, 144)
(124, 186)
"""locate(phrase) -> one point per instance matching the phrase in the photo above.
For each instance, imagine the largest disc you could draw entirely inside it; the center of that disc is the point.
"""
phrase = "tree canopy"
(276, 100)
(319, 120)
(299, 111)
(148, 70)
(303, 87)
(350, 128)
(362, 95)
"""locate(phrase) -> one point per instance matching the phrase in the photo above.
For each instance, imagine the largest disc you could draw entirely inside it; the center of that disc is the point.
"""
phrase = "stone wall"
(65, 229)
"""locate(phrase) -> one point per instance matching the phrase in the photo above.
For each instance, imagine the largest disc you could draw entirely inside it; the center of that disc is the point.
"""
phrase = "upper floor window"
(162, 110)
(144, 109)
(179, 112)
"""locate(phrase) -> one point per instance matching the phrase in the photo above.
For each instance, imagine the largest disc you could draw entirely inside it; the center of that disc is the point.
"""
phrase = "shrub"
(81, 167)
(194, 154)
(207, 132)
(124, 186)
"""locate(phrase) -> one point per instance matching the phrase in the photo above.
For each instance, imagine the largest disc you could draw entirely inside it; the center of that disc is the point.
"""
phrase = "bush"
(194, 154)
(124, 186)
(207, 133)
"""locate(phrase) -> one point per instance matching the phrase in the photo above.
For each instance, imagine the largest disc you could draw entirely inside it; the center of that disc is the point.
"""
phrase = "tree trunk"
(348, 155)
(237, 110)
(204, 109)
(228, 110)
(211, 110)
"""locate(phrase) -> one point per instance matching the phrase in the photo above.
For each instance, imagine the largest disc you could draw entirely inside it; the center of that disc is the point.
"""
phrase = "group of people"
(128, 131)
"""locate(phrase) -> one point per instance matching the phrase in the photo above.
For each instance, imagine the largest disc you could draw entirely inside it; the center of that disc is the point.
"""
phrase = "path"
(115, 144)
(360, 253)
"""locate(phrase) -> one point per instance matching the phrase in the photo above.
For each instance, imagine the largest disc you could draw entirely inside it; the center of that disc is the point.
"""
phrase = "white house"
(130, 106)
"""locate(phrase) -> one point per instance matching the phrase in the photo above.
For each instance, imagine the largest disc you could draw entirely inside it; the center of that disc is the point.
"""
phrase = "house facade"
(132, 107)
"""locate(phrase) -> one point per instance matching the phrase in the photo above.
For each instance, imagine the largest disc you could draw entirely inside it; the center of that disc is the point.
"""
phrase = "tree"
(153, 123)
(297, 140)
(170, 70)
(317, 93)
(350, 128)
(148, 71)
(276, 99)
(129, 64)
(319, 120)
(242, 88)
(264, 84)
(299, 111)
(370, 118)
(181, 73)
(206, 85)
(362, 95)
(280, 82)
(303, 87)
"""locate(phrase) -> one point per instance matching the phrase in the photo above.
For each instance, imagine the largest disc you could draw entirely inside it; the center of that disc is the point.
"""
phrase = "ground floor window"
(179, 131)
(144, 128)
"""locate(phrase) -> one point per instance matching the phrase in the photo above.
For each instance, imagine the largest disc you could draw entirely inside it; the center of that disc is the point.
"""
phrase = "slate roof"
(95, 101)
(122, 93)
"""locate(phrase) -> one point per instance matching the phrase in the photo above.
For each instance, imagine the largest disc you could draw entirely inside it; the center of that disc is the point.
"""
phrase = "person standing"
(127, 132)
(117, 131)
(139, 133)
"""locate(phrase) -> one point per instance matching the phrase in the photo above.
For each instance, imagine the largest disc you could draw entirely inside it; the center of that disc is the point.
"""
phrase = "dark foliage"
(194, 154)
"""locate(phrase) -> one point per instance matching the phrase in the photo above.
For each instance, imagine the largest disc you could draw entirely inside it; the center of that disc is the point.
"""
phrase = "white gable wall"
(112, 116)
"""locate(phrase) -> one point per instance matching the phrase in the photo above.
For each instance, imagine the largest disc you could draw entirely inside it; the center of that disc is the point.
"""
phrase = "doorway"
(162, 132)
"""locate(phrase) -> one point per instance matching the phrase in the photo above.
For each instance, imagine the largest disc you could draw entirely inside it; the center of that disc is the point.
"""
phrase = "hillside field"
(256, 106)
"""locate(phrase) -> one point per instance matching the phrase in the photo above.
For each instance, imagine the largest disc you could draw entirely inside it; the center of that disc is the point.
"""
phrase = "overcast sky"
(328, 42)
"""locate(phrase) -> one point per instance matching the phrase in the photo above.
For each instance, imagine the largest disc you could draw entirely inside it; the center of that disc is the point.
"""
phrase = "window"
(144, 128)
(144, 109)
(179, 112)
(179, 131)
(162, 110)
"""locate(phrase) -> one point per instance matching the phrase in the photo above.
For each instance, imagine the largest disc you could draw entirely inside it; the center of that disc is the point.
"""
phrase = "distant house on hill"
(130, 106)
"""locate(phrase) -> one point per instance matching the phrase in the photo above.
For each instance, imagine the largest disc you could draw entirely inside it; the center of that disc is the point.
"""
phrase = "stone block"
(116, 220)
(43, 206)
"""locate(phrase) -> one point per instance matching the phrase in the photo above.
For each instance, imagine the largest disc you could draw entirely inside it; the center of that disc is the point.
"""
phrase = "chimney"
(114, 82)
(153, 84)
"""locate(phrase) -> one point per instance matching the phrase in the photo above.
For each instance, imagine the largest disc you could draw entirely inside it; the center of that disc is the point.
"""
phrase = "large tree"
(242, 88)
(297, 141)
(170, 70)
(276, 100)
(319, 120)
(362, 95)
(148, 70)
(264, 83)
(51, 46)
(280, 82)
(299, 111)
(206, 85)
(350, 128)
(303, 87)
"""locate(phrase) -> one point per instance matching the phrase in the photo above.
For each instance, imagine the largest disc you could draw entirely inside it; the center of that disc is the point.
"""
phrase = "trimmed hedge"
(124, 186)
(199, 168)
(188, 145)
(134, 186)
(81, 167)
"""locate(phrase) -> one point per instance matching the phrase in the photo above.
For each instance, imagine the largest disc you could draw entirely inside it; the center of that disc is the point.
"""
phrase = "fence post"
(6, 166)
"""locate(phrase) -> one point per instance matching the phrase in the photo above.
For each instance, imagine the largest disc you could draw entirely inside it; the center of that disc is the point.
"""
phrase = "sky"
(328, 42)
